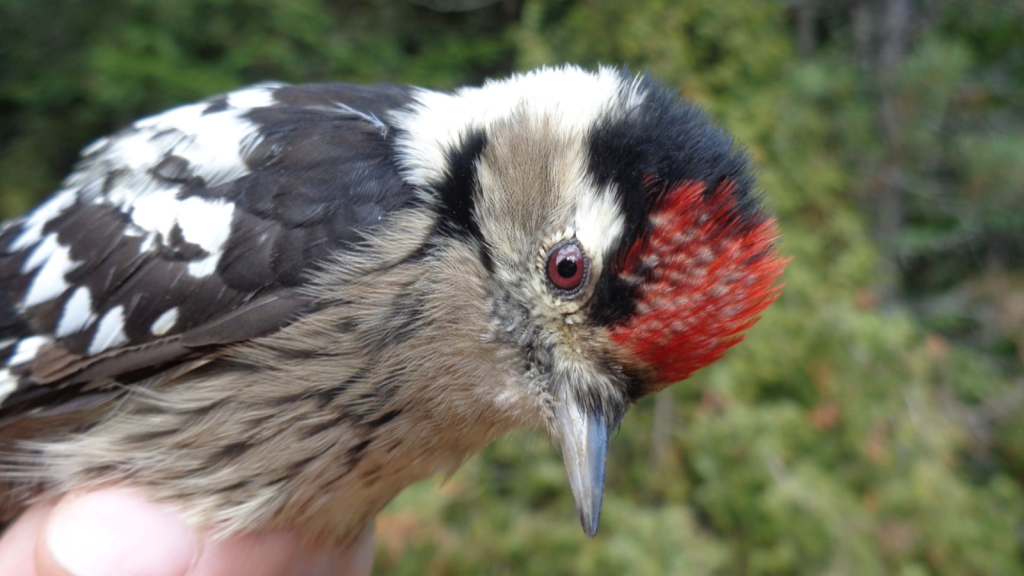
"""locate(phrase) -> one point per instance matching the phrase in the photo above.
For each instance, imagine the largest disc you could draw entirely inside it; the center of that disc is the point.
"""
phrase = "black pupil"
(567, 267)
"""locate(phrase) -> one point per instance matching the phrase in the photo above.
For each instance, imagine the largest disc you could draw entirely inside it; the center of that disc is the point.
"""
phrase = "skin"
(114, 531)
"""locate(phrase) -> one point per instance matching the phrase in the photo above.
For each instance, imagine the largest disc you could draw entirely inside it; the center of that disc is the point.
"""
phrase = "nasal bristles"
(705, 271)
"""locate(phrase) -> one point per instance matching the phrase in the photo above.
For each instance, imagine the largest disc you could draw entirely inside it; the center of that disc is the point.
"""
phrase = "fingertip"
(114, 531)
(17, 547)
(250, 554)
(356, 560)
(283, 554)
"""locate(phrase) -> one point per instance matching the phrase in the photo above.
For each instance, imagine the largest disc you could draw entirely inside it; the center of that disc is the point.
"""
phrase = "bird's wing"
(189, 230)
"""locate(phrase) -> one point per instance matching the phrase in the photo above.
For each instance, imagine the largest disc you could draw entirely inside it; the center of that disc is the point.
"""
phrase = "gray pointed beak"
(584, 439)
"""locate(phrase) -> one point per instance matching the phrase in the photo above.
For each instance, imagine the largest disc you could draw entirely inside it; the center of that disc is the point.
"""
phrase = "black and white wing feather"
(189, 230)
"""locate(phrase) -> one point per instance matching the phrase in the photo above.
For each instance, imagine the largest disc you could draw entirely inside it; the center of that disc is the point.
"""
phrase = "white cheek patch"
(599, 222)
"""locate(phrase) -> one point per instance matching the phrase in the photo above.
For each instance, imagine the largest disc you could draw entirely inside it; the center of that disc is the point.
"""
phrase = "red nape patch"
(705, 273)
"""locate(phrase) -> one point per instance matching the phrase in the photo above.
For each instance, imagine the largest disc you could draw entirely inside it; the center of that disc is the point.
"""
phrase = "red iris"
(567, 266)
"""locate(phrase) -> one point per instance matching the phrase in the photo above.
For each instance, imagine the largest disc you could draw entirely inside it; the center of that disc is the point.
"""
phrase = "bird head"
(624, 245)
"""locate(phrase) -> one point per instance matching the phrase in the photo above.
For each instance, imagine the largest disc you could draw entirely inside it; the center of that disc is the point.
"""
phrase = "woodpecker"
(280, 307)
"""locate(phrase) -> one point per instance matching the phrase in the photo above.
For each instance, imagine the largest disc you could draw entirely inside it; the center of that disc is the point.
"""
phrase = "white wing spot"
(32, 226)
(41, 253)
(96, 146)
(205, 267)
(210, 143)
(109, 332)
(259, 96)
(165, 322)
(27, 349)
(205, 223)
(147, 243)
(77, 315)
(50, 281)
(8, 384)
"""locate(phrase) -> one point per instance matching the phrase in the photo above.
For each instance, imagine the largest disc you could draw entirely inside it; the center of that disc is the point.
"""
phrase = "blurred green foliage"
(871, 424)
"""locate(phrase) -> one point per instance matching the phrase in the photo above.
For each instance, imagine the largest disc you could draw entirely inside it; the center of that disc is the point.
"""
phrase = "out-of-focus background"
(873, 423)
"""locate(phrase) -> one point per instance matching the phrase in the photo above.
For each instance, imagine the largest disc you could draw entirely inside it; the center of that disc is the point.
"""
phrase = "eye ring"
(567, 268)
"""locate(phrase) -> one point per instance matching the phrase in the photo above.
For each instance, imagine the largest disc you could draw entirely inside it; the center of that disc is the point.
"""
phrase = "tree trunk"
(806, 24)
(895, 33)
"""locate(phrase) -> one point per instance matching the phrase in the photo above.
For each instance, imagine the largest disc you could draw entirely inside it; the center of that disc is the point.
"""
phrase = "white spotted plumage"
(26, 349)
(41, 253)
(127, 173)
(213, 143)
(119, 173)
(109, 331)
(279, 307)
(163, 324)
(32, 226)
(77, 314)
(54, 262)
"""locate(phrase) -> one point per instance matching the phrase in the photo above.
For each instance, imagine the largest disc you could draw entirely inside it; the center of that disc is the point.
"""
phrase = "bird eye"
(567, 266)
